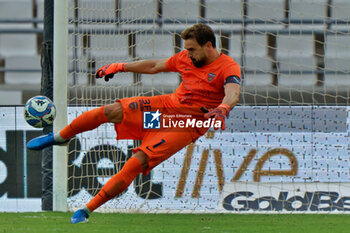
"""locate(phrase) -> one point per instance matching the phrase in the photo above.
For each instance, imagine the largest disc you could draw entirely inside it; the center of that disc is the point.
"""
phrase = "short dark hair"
(201, 32)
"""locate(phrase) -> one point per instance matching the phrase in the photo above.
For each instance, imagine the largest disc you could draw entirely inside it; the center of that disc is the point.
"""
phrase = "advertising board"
(302, 150)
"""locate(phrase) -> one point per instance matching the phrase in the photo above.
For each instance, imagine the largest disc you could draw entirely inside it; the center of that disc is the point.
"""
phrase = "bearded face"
(198, 62)
(196, 53)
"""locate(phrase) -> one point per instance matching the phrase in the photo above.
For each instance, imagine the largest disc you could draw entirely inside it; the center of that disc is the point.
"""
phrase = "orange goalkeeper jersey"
(202, 86)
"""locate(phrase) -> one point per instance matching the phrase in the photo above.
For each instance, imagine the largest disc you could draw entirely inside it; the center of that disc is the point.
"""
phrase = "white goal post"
(285, 149)
(60, 73)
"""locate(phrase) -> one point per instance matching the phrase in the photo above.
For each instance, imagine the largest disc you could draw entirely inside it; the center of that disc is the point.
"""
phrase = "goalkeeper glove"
(219, 114)
(109, 70)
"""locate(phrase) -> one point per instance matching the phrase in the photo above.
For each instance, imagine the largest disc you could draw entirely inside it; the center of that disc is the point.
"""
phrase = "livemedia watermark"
(157, 120)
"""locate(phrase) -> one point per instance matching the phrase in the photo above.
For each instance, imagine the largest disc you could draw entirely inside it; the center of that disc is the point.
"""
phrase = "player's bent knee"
(114, 112)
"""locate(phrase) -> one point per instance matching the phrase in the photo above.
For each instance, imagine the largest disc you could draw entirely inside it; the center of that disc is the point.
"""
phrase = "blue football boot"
(43, 141)
(79, 216)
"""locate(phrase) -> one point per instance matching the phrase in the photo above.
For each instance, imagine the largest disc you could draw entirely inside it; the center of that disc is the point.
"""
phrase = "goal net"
(285, 148)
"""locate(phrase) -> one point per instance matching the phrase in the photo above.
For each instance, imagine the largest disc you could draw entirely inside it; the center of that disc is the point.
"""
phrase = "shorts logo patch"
(211, 77)
(133, 105)
(151, 120)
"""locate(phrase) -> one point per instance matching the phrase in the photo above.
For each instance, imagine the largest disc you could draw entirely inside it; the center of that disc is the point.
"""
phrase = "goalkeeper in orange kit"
(210, 88)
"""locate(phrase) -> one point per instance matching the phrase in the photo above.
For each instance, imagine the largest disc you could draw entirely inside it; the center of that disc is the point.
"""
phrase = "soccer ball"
(39, 111)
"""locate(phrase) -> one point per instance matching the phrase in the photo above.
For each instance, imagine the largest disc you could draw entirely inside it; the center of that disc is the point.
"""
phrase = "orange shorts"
(157, 144)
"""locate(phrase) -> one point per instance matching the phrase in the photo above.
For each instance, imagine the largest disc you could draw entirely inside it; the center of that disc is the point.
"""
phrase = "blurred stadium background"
(294, 56)
(290, 51)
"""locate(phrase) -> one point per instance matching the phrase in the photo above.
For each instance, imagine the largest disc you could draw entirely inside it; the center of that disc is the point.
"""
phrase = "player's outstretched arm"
(232, 92)
(151, 66)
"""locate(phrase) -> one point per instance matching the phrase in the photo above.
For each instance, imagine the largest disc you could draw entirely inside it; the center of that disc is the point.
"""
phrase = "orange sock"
(87, 121)
(117, 184)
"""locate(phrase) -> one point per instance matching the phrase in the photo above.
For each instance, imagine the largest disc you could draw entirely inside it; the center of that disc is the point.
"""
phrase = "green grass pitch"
(175, 223)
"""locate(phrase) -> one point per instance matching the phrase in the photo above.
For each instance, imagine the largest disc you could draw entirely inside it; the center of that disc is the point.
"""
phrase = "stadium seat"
(109, 45)
(92, 9)
(27, 62)
(337, 80)
(257, 79)
(137, 9)
(297, 63)
(337, 46)
(16, 44)
(256, 45)
(269, 10)
(260, 64)
(255, 58)
(154, 46)
(340, 9)
(295, 45)
(181, 9)
(234, 45)
(133, 12)
(224, 9)
(295, 53)
(138, 15)
(337, 52)
(337, 60)
(100, 46)
(308, 9)
(340, 64)
(15, 9)
(302, 80)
